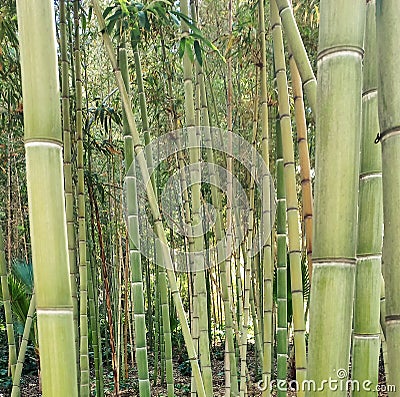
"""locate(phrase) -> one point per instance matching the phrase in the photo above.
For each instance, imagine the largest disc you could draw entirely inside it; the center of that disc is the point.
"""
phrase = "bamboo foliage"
(338, 123)
(387, 30)
(43, 147)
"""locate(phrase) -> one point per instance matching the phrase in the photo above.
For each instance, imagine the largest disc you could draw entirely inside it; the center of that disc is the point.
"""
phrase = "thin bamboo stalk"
(16, 390)
(267, 264)
(299, 52)
(5, 293)
(366, 333)
(196, 223)
(304, 159)
(95, 335)
(291, 200)
(68, 183)
(134, 247)
(83, 278)
(281, 293)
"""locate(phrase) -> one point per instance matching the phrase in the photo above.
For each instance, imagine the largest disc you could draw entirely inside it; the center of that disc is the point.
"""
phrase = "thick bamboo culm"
(388, 48)
(43, 145)
(338, 122)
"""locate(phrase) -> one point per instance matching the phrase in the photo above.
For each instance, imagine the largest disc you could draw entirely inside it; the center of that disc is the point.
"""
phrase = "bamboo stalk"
(299, 52)
(134, 246)
(16, 390)
(82, 251)
(291, 200)
(267, 264)
(68, 183)
(282, 332)
(388, 46)
(304, 159)
(43, 145)
(5, 294)
(338, 126)
(366, 334)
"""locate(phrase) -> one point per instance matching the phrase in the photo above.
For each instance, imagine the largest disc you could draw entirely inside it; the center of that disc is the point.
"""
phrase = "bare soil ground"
(30, 381)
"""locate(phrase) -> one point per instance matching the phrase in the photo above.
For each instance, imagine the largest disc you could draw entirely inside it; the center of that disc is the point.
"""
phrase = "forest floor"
(30, 380)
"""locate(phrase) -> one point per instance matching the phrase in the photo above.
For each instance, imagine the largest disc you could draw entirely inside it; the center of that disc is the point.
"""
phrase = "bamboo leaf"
(182, 45)
(197, 50)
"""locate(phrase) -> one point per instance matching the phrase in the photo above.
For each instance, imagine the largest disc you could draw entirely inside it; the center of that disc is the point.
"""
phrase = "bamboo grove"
(200, 198)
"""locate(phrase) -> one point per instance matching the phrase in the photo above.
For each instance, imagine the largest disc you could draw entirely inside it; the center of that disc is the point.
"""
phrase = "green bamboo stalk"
(366, 333)
(5, 293)
(336, 188)
(304, 159)
(388, 45)
(134, 246)
(83, 277)
(243, 325)
(225, 268)
(95, 335)
(281, 333)
(231, 384)
(68, 183)
(43, 145)
(299, 52)
(267, 264)
(291, 200)
(153, 203)
(156, 326)
(196, 223)
(162, 276)
(16, 390)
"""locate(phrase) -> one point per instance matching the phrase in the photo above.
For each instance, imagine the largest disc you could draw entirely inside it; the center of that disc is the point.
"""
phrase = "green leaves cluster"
(139, 19)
